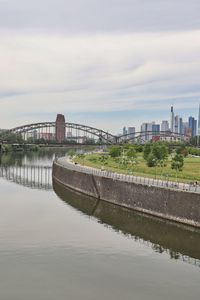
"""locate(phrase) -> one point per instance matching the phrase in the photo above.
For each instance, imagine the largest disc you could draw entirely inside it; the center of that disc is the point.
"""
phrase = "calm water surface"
(56, 244)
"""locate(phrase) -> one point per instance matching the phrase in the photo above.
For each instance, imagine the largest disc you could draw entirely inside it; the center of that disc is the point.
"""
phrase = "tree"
(132, 156)
(156, 155)
(90, 141)
(104, 158)
(147, 150)
(131, 153)
(71, 153)
(115, 151)
(81, 156)
(177, 164)
(182, 150)
(151, 161)
(138, 148)
(160, 152)
(11, 138)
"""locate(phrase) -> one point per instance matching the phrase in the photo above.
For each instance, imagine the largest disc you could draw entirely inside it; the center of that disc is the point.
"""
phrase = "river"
(56, 244)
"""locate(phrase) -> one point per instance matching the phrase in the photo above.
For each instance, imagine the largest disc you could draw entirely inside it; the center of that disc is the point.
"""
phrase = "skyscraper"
(124, 130)
(172, 120)
(165, 125)
(147, 128)
(176, 123)
(131, 132)
(156, 128)
(198, 131)
(60, 128)
(193, 125)
(180, 126)
(185, 127)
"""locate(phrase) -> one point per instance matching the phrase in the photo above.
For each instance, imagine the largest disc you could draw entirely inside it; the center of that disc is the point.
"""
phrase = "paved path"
(66, 162)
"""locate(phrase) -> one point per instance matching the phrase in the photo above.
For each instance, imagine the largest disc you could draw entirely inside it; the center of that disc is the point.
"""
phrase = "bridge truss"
(77, 130)
(81, 132)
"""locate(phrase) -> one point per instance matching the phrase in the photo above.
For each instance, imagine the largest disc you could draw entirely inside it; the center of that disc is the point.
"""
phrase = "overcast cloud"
(97, 56)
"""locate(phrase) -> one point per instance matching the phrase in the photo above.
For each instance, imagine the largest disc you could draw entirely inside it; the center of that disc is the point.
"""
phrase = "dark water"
(56, 244)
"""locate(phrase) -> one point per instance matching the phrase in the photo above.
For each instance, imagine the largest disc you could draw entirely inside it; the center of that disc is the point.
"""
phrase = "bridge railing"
(187, 187)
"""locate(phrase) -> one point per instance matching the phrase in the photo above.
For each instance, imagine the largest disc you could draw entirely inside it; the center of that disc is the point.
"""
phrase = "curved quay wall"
(179, 206)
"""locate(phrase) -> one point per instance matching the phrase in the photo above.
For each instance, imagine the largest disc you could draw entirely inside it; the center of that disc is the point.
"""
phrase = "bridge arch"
(101, 134)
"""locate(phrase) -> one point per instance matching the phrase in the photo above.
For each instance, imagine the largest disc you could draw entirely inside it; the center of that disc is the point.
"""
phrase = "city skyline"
(174, 123)
(131, 59)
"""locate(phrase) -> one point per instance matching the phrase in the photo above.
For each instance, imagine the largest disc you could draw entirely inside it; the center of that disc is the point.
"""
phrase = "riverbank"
(178, 203)
(140, 226)
(190, 172)
(8, 148)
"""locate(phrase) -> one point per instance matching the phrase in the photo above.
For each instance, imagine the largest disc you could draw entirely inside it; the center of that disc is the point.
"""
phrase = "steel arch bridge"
(103, 136)
(45, 126)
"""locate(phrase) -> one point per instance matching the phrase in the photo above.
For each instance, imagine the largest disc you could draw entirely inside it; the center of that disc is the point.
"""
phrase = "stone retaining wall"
(174, 205)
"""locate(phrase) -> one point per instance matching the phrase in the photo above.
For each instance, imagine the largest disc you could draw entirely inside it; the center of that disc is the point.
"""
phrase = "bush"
(194, 151)
(151, 161)
(115, 151)
(182, 150)
(147, 150)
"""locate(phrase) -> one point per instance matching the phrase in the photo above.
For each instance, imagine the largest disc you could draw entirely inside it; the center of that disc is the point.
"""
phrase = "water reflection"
(179, 241)
(36, 177)
(30, 169)
(34, 170)
(41, 157)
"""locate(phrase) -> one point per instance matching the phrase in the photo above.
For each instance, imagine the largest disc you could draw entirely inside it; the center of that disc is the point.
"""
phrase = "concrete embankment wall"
(174, 205)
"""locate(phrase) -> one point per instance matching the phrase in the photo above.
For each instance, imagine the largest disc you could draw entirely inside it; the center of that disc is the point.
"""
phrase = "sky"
(108, 63)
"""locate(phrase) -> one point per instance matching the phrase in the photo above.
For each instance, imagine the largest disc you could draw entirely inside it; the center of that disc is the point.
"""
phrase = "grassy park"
(139, 166)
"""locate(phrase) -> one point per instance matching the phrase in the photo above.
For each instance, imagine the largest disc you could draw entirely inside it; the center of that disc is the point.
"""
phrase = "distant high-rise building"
(48, 136)
(156, 128)
(198, 131)
(69, 134)
(147, 128)
(60, 128)
(131, 132)
(124, 130)
(189, 132)
(180, 126)
(165, 125)
(185, 127)
(195, 128)
(176, 123)
(172, 120)
(193, 125)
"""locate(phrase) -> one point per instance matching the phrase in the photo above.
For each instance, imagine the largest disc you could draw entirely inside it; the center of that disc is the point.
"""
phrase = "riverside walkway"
(69, 164)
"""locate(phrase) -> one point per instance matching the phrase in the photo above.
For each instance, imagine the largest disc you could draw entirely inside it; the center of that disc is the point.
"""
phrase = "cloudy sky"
(105, 63)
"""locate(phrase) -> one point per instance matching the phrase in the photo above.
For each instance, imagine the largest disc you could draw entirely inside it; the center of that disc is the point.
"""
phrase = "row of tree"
(155, 155)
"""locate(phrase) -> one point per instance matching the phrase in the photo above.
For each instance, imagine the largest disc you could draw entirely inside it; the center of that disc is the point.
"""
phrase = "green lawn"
(191, 169)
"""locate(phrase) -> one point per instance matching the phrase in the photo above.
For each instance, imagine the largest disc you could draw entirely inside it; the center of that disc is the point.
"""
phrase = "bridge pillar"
(60, 128)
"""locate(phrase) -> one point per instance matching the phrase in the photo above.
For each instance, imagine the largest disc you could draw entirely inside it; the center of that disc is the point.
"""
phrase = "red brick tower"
(60, 128)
